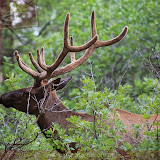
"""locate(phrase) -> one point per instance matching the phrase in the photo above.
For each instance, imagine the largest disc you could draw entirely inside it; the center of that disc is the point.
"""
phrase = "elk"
(41, 99)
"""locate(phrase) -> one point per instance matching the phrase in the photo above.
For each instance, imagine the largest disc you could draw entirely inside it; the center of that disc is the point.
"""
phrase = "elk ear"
(63, 83)
(58, 83)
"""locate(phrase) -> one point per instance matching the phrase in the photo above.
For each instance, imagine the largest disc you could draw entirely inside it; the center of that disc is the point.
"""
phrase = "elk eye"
(25, 93)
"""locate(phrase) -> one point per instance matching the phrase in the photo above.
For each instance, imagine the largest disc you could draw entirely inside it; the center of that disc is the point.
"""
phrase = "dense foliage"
(120, 75)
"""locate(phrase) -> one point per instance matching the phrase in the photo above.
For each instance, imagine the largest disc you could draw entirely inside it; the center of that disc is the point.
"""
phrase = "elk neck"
(56, 112)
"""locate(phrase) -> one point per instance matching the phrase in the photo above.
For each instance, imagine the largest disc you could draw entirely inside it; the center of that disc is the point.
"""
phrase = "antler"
(46, 72)
(75, 63)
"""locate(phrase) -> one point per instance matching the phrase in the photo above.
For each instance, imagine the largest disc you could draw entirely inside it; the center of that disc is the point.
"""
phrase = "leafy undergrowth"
(97, 140)
(54, 155)
(49, 155)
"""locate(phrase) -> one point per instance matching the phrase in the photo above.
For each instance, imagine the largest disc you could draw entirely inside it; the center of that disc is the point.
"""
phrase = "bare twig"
(19, 38)
(154, 93)
(28, 100)
(123, 75)
(154, 120)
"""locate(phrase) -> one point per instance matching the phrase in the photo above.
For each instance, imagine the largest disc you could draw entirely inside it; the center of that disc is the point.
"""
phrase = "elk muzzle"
(9, 99)
(3, 101)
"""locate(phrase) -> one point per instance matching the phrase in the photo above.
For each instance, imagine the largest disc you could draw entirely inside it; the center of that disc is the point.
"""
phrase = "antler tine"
(114, 40)
(24, 67)
(35, 64)
(42, 55)
(93, 24)
(65, 31)
(41, 60)
(72, 53)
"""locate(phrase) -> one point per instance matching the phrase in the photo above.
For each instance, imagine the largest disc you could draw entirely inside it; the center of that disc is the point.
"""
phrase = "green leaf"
(146, 116)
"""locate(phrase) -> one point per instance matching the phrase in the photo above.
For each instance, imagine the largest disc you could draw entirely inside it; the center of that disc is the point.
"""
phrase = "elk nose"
(4, 101)
(2, 98)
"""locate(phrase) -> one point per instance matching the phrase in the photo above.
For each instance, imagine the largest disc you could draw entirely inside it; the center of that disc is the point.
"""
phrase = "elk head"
(30, 99)
(26, 99)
